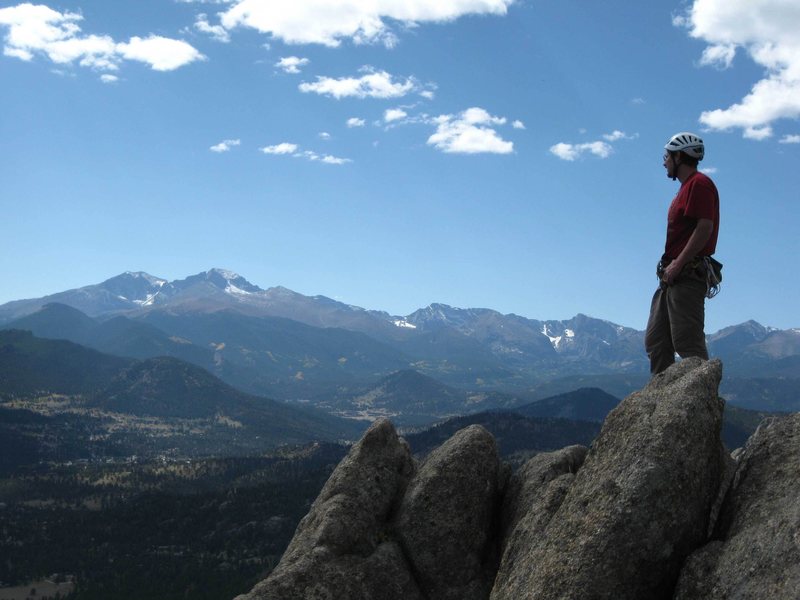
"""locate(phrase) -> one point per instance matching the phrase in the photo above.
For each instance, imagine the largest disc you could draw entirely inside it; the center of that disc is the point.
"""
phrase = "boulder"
(640, 503)
(342, 547)
(447, 517)
(756, 551)
(533, 496)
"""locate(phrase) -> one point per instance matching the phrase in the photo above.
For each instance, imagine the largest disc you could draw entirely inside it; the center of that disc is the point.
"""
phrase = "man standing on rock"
(686, 273)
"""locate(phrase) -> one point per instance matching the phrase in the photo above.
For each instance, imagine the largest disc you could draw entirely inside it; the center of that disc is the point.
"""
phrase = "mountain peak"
(225, 273)
(141, 275)
(223, 279)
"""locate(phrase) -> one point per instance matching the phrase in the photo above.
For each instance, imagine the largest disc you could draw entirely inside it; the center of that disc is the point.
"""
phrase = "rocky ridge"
(627, 519)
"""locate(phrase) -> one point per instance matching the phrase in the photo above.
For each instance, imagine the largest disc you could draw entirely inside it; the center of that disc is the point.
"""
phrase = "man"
(677, 313)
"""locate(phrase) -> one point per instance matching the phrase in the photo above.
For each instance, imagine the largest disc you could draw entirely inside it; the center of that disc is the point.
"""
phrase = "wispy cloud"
(767, 31)
(39, 30)
(355, 122)
(720, 56)
(790, 139)
(289, 149)
(373, 84)
(470, 132)
(325, 158)
(330, 22)
(618, 135)
(394, 114)
(518, 124)
(218, 32)
(291, 64)
(282, 148)
(225, 145)
(599, 148)
(572, 152)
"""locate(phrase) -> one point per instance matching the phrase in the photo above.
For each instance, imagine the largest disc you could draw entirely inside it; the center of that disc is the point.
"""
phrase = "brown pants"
(676, 323)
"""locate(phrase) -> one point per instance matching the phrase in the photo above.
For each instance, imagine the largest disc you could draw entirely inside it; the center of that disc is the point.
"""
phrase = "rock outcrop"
(446, 518)
(641, 501)
(534, 495)
(756, 550)
(617, 521)
(341, 548)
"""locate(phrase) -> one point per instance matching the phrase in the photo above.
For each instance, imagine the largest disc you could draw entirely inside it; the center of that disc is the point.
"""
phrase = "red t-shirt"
(697, 199)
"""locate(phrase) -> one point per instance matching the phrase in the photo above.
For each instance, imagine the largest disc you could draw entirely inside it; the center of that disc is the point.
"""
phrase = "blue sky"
(391, 154)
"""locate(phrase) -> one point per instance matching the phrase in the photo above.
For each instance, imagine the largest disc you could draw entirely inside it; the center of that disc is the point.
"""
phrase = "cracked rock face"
(756, 551)
(446, 518)
(341, 547)
(532, 498)
(641, 501)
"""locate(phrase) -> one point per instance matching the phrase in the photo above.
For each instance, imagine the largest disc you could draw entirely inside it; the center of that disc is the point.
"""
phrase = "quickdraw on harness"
(713, 276)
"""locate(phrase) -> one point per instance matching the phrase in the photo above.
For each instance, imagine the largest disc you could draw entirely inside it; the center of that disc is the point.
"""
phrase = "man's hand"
(671, 272)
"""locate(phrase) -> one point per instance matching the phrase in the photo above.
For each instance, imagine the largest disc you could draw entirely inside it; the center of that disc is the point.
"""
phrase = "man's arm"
(702, 232)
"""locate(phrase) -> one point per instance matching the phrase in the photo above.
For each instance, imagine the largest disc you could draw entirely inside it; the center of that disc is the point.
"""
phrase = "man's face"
(669, 164)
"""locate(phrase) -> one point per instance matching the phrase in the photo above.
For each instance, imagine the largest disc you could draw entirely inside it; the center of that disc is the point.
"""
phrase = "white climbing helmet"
(688, 143)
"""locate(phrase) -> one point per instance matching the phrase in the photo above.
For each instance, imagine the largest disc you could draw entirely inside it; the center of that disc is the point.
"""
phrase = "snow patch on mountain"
(402, 323)
(555, 340)
(232, 289)
(148, 301)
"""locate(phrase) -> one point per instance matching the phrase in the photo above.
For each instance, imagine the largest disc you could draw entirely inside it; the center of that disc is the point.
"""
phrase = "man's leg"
(686, 306)
(658, 337)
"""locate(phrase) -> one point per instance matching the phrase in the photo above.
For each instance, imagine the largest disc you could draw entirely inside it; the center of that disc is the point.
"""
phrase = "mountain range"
(312, 349)
(61, 402)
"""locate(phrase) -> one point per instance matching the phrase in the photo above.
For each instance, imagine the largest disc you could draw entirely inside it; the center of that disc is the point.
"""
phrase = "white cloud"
(324, 135)
(599, 148)
(429, 94)
(767, 31)
(394, 114)
(373, 84)
(333, 160)
(757, 133)
(108, 78)
(291, 64)
(790, 139)
(39, 30)
(709, 170)
(294, 150)
(720, 56)
(329, 22)
(218, 32)
(572, 152)
(518, 124)
(225, 145)
(470, 132)
(282, 148)
(617, 135)
(355, 122)
(162, 54)
(614, 135)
